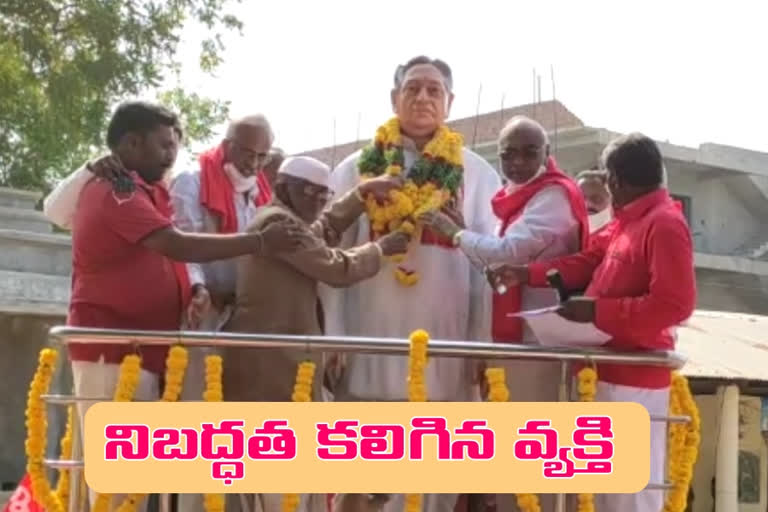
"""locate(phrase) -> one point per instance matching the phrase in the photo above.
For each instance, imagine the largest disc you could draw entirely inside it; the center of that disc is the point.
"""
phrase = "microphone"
(555, 280)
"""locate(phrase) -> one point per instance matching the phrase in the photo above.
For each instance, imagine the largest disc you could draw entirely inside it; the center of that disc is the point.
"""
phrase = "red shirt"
(117, 283)
(642, 277)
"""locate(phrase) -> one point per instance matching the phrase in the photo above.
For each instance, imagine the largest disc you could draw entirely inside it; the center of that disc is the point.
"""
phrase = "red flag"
(22, 500)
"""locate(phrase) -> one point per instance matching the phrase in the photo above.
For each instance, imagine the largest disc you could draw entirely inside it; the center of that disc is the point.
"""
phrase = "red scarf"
(265, 190)
(162, 199)
(217, 193)
(508, 206)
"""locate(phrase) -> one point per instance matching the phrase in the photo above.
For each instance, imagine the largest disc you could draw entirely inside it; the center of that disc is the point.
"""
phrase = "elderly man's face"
(422, 103)
(248, 150)
(522, 151)
(305, 198)
(596, 194)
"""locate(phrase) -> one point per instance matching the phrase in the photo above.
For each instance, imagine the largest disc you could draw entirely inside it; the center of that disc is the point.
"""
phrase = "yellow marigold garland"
(683, 443)
(417, 392)
(214, 392)
(587, 379)
(498, 392)
(37, 426)
(433, 179)
(127, 382)
(302, 392)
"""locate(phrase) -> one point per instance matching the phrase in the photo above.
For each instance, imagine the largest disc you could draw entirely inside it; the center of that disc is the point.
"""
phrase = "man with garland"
(541, 215)
(451, 299)
(635, 292)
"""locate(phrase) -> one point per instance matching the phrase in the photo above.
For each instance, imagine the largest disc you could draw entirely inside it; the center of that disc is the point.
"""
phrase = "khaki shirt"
(278, 295)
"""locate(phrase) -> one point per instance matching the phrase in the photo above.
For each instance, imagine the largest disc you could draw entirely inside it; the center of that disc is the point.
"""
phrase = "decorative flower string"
(587, 378)
(127, 382)
(302, 392)
(498, 392)
(37, 426)
(683, 443)
(432, 181)
(214, 392)
(417, 392)
(175, 367)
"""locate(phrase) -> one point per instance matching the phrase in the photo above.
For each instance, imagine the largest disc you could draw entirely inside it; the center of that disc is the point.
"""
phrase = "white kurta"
(451, 301)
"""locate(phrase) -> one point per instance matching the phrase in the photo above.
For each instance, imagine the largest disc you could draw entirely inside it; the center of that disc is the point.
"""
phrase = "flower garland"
(127, 382)
(214, 392)
(175, 367)
(587, 391)
(498, 392)
(37, 426)
(432, 181)
(417, 392)
(683, 443)
(302, 392)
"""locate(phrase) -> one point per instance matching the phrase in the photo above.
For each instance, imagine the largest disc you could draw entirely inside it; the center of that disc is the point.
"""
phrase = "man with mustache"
(594, 187)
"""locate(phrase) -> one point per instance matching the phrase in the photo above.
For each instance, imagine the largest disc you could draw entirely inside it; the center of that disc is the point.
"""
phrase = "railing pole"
(74, 473)
(562, 396)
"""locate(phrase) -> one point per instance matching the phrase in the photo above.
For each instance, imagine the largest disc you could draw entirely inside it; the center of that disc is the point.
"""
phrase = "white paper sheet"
(533, 312)
(552, 330)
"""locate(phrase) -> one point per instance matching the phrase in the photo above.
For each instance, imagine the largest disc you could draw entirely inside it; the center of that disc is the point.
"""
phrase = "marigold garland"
(127, 382)
(37, 426)
(432, 181)
(214, 392)
(683, 443)
(417, 392)
(498, 392)
(587, 383)
(302, 392)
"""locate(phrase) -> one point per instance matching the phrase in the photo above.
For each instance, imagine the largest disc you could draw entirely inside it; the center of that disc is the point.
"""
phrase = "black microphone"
(555, 280)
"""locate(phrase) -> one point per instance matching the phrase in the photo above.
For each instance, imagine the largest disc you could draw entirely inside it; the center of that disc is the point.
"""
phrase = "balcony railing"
(389, 346)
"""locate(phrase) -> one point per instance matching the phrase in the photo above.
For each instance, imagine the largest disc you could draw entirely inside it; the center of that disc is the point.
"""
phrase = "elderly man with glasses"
(279, 295)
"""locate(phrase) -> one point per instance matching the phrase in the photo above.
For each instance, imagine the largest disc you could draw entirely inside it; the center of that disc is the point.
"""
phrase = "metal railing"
(390, 346)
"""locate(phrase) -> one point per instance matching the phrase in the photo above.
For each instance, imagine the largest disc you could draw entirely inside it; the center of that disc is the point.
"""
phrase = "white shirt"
(451, 301)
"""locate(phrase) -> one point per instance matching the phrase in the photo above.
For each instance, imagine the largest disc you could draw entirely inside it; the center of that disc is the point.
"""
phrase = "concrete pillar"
(726, 472)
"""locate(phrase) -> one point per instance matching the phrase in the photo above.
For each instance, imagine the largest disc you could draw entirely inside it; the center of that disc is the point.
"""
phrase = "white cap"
(306, 168)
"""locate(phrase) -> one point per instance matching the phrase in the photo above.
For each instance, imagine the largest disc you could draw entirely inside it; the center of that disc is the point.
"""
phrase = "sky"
(680, 71)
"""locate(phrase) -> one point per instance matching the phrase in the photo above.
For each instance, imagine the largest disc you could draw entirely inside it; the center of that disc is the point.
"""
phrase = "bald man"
(219, 196)
(541, 215)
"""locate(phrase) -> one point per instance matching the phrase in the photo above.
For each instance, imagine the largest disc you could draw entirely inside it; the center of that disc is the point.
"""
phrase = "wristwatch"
(457, 238)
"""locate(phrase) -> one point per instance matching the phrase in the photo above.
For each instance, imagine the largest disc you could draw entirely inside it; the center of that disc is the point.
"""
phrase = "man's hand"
(455, 215)
(578, 309)
(110, 168)
(198, 307)
(284, 236)
(380, 186)
(441, 223)
(508, 275)
(394, 243)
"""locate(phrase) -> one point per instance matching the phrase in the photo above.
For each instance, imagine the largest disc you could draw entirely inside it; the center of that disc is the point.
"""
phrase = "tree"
(65, 64)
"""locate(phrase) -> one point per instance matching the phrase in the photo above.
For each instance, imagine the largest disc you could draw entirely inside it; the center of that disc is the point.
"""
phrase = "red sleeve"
(671, 296)
(576, 269)
(133, 218)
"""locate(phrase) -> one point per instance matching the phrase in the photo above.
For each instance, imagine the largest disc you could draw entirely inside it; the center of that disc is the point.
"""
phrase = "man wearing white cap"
(279, 295)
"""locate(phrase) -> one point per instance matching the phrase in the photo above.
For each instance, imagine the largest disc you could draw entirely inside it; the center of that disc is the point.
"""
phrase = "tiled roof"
(476, 129)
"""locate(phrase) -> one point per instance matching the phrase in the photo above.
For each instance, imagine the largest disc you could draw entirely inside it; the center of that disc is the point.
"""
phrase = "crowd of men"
(255, 241)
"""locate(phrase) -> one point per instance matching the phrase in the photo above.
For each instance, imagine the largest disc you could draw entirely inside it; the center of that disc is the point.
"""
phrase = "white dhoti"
(451, 301)
(99, 380)
(656, 401)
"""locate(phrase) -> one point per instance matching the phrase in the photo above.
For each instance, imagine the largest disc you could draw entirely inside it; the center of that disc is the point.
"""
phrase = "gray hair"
(255, 121)
(441, 66)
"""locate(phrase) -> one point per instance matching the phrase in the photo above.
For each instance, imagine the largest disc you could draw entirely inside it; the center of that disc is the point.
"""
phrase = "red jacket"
(643, 280)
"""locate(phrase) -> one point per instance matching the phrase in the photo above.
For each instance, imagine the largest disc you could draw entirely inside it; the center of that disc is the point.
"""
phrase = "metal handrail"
(435, 348)
(392, 346)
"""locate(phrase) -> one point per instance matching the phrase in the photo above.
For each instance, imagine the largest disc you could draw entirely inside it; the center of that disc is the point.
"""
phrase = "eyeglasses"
(315, 192)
